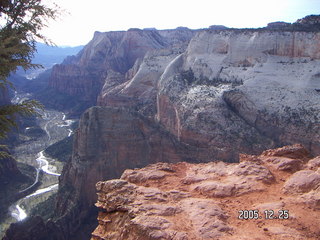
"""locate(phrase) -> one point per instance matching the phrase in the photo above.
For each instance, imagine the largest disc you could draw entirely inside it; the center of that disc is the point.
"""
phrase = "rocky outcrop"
(108, 141)
(258, 84)
(136, 88)
(214, 200)
(107, 59)
(311, 20)
(140, 90)
(309, 23)
(278, 25)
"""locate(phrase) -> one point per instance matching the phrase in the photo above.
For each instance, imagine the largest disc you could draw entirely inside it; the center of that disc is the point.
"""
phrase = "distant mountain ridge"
(47, 56)
(50, 55)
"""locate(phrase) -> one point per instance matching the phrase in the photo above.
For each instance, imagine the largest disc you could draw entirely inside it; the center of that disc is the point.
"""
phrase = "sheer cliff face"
(107, 58)
(109, 140)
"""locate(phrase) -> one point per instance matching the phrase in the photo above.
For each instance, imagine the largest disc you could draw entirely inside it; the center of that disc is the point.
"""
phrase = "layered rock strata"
(259, 86)
(209, 201)
(108, 57)
(254, 89)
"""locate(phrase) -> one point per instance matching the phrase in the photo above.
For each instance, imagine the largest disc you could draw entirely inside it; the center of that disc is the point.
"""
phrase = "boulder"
(302, 182)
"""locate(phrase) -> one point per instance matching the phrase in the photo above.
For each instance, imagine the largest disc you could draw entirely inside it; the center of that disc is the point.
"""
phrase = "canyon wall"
(108, 58)
(228, 81)
(164, 97)
(254, 89)
(228, 92)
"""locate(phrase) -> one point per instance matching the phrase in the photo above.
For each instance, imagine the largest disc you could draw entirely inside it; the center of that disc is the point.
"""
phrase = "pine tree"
(20, 24)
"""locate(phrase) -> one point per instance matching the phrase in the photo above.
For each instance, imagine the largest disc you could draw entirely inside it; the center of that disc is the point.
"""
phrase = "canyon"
(195, 96)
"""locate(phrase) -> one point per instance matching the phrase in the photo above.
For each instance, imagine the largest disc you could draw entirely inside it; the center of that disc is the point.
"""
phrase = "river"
(56, 127)
(52, 123)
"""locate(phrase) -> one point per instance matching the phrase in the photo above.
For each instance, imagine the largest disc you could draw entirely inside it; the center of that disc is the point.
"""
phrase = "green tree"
(21, 22)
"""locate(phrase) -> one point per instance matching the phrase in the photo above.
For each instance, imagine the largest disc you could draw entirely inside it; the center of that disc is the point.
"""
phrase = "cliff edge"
(271, 196)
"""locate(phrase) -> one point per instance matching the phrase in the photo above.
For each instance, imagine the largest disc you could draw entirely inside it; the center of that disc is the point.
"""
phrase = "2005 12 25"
(267, 214)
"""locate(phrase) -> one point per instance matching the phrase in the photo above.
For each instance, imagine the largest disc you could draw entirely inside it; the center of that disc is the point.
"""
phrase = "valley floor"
(29, 153)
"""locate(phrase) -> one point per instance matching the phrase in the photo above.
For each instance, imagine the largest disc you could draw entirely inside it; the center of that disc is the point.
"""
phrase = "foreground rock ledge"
(202, 201)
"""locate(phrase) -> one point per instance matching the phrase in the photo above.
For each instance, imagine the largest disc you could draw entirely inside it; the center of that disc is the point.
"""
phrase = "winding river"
(51, 122)
(56, 127)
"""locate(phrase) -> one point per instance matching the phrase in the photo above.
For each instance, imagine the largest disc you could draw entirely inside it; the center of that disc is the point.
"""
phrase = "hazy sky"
(85, 17)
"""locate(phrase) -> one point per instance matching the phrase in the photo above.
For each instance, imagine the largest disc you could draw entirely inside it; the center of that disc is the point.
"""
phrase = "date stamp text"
(266, 214)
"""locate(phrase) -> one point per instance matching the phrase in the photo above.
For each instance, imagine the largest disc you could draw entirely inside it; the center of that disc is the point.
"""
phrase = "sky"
(82, 18)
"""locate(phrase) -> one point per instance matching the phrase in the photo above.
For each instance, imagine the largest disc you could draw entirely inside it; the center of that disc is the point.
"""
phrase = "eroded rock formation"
(109, 59)
(204, 201)
(233, 86)
(223, 92)
(164, 97)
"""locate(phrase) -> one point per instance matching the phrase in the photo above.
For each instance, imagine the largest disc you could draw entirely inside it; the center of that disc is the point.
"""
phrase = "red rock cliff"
(107, 53)
(215, 200)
